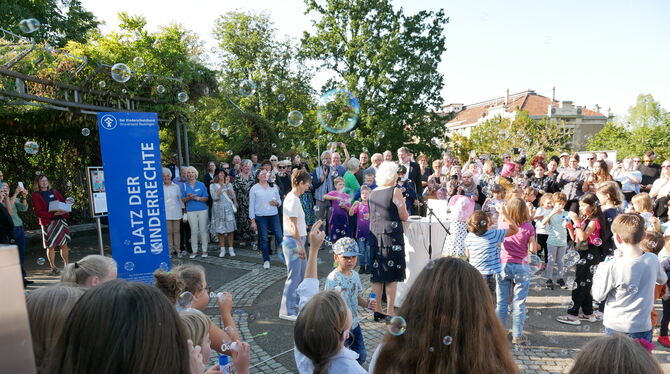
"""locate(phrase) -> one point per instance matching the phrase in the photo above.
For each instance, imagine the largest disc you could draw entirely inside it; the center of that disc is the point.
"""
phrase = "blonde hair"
(615, 354)
(319, 328)
(489, 165)
(81, 271)
(613, 192)
(197, 325)
(643, 201)
(48, 308)
(517, 210)
(36, 183)
(194, 170)
(182, 278)
(629, 227)
(559, 197)
(338, 180)
(547, 197)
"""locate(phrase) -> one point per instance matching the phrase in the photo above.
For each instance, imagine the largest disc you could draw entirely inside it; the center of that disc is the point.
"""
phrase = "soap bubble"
(185, 299)
(85, 131)
(397, 326)
(182, 97)
(121, 73)
(394, 225)
(29, 25)
(230, 153)
(281, 135)
(381, 134)
(570, 258)
(160, 89)
(191, 109)
(632, 290)
(305, 154)
(102, 84)
(593, 269)
(431, 349)
(129, 266)
(295, 118)
(390, 263)
(38, 172)
(274, 145)
(291, 247)
(281, 98)
(164, 266)
(247, 88)
(31, 147)
(447, 340)
(316, 208)
(581, 262)
(215, 126)
(124, 91)
(138, 62)
(41, 261)
(396, 248)
(589, 257)
(534, 263)
(377, 144)
(69, 200)
(375, 265)
(338, 111)
(430, 264)
(371, 111)
(365, 149)
(597, 242)
(352, 134)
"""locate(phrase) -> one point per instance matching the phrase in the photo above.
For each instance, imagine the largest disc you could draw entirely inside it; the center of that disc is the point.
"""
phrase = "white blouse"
(173, 203)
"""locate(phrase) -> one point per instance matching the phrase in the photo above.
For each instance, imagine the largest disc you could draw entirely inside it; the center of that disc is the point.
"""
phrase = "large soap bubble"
(338, 111)
(295, 118)
(31, 147)
(29, 25)
(247, 88)
(121, 73)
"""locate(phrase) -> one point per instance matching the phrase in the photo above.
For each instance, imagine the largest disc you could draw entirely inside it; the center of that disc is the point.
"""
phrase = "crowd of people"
(507, 222)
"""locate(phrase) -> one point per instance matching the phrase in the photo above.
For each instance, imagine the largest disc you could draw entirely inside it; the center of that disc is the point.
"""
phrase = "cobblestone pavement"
(257, 293)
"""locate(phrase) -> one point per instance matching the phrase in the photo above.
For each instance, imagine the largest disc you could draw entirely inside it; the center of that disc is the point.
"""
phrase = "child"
(322, 327)
(339, 218)
(545, 207)
(482, 244)
(615, 354)
(407, 189)
(362, 212)
(529, 196)
(346, 254)
(642, 204)
(490, 204)
(557, 238)
(461, 208)
(368, 180)
(653, 243)
(664, 258)
(197, 326)
(586, 229)
(515, 269)
(626, 283)
(611, 199)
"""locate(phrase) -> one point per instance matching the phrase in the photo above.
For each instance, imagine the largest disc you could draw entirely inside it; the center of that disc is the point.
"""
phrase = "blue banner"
(131, 161)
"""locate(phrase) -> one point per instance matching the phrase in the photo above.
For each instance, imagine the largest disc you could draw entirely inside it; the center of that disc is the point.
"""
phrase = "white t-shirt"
(293, 208)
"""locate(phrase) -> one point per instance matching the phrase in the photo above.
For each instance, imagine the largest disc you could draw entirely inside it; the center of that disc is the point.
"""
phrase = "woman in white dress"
(223, 211)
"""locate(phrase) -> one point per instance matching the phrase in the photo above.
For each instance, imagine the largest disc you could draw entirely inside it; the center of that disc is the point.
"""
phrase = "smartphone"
(21, 186)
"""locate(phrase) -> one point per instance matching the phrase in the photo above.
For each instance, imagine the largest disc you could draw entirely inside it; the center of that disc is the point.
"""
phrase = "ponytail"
(298, 176)
(168, 284)
(81, 271)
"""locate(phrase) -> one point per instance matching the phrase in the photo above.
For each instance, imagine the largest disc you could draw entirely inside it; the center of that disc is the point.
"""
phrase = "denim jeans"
(295, 274)
(357, 344)
(646, 335)
(266, 224)
(364, 250)
(517, 276)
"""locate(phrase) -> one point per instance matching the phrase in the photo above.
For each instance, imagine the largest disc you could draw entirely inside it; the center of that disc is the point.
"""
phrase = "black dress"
(387, 246)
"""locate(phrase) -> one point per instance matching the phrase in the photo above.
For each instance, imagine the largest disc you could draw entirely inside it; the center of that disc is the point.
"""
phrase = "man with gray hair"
(322, 183)
(413, 170)
(376, 160)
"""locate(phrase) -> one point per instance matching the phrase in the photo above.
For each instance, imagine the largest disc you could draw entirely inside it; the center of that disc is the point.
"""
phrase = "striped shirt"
(485, 250)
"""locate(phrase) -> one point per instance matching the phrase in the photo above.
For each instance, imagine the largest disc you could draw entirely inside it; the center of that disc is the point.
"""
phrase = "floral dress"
(307, 202)
(242, 187)
(223, 212)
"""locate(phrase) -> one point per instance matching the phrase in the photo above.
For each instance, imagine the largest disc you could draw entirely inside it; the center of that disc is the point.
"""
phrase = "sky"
(593, 52)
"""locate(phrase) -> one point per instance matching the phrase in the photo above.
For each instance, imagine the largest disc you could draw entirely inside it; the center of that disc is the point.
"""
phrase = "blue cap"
(223, 360)
(346, 247)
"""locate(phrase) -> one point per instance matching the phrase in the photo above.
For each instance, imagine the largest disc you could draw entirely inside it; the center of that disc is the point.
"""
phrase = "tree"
(61, 20)
(646, 112)
(388, 60)
(501, 135)
(276, 82)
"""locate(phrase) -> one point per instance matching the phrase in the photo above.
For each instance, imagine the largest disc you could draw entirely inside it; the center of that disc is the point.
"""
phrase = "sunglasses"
(282, 167)
(589, 159)
(637, 161)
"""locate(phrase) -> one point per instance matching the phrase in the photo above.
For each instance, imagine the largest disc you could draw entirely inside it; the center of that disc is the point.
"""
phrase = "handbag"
(583, 245)
(225, 195)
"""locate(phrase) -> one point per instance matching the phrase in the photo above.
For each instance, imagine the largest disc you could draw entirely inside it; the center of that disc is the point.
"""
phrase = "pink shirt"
(515, 247)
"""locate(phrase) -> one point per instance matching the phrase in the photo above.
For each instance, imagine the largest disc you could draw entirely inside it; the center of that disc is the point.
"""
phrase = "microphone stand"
(430, 229)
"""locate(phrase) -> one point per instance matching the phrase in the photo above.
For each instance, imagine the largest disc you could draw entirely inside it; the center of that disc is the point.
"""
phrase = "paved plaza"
(257, 292)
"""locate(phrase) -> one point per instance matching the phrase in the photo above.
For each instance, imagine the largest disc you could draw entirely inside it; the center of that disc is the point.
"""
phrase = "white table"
(416, 250)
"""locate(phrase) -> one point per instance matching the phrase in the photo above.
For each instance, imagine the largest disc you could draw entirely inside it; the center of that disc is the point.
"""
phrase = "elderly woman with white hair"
(194, 195)
(351, 185)
(387, 246)
(242, 184)
(174, 210)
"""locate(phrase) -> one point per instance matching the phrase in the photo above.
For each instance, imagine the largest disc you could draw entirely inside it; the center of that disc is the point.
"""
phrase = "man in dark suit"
(413, 169)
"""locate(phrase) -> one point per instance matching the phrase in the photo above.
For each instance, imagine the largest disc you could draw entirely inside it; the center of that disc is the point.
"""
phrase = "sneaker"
(204, 255)
(589, 318)
(192, 255)
(266, 265)
(664, 341)
(550, 284)
(231, 251)
(569, 320)
(222, 252)
(520, 340)
(288, 317)
(561, 283)
(55, 271)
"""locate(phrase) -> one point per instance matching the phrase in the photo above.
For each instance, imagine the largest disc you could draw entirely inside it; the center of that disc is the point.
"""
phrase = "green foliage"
(61, 20)
(500, 135)
(646, 127)
(388, 60)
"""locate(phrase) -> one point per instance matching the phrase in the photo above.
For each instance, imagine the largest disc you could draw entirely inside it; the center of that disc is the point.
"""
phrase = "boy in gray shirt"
(627, 281)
